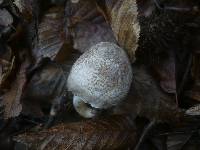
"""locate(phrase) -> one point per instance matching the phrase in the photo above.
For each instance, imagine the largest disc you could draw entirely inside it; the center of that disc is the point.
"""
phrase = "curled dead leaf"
(122, 16)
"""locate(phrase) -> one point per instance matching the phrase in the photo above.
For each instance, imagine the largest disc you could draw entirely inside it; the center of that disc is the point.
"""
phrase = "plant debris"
(41, 40)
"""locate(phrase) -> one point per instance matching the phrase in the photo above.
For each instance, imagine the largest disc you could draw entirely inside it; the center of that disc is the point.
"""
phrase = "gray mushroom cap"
(101, 76)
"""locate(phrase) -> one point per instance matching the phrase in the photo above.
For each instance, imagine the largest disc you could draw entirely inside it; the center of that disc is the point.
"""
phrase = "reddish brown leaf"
(115, 132)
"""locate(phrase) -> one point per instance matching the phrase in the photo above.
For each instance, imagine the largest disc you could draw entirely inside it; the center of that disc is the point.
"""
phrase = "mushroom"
(99, 79)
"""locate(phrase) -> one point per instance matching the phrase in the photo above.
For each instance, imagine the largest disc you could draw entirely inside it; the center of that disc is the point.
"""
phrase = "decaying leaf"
(5, 18)
(51, 35)
(115, 132)
(122, 16)
(193, 111)
(167, 73)
(165, 34)
(86, 25)
(147, 99)
(48, 82)
(80, 12)
(86, 34)
(194, 92)
(6, 71)
(11, 99)
(27, 8)
(173, 31)
(177, 141)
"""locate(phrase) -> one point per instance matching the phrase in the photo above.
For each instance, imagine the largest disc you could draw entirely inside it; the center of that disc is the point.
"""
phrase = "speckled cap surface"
(101, 76)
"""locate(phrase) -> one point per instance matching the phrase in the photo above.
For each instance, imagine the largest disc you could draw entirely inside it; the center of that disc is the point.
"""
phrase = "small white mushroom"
(101, 78)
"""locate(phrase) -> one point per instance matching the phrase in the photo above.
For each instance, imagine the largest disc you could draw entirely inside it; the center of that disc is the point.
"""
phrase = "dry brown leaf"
(87, 34)
(51, 35)
(7, 63)
(122, 16)
(148, 100)
(47, 83)
(79, 12)
(11, 99)
(7, 70)
(86, 25)
(114, 132)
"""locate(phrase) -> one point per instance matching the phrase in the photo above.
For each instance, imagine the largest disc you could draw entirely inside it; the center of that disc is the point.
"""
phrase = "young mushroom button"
(99, 79)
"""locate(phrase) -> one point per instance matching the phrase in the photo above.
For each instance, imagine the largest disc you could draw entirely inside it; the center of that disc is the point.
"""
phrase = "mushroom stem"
(82, 108)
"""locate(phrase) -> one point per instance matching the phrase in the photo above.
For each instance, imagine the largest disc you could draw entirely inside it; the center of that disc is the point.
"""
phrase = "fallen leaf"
(115, 132)
(5, 18)
(47, 83)
(7, 70)
(80, 12)
(27, 8)
(51, 35)
(177, 141)
(166, 72)
(87, 34)
(86, 25)
(11, 99)
(146, 99)
(194, 91)
(193, 111)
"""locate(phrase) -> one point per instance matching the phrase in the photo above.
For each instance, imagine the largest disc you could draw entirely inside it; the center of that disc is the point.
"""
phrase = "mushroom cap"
(101, 76)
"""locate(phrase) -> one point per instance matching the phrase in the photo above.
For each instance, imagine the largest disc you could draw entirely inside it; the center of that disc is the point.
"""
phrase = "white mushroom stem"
(82, 108)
